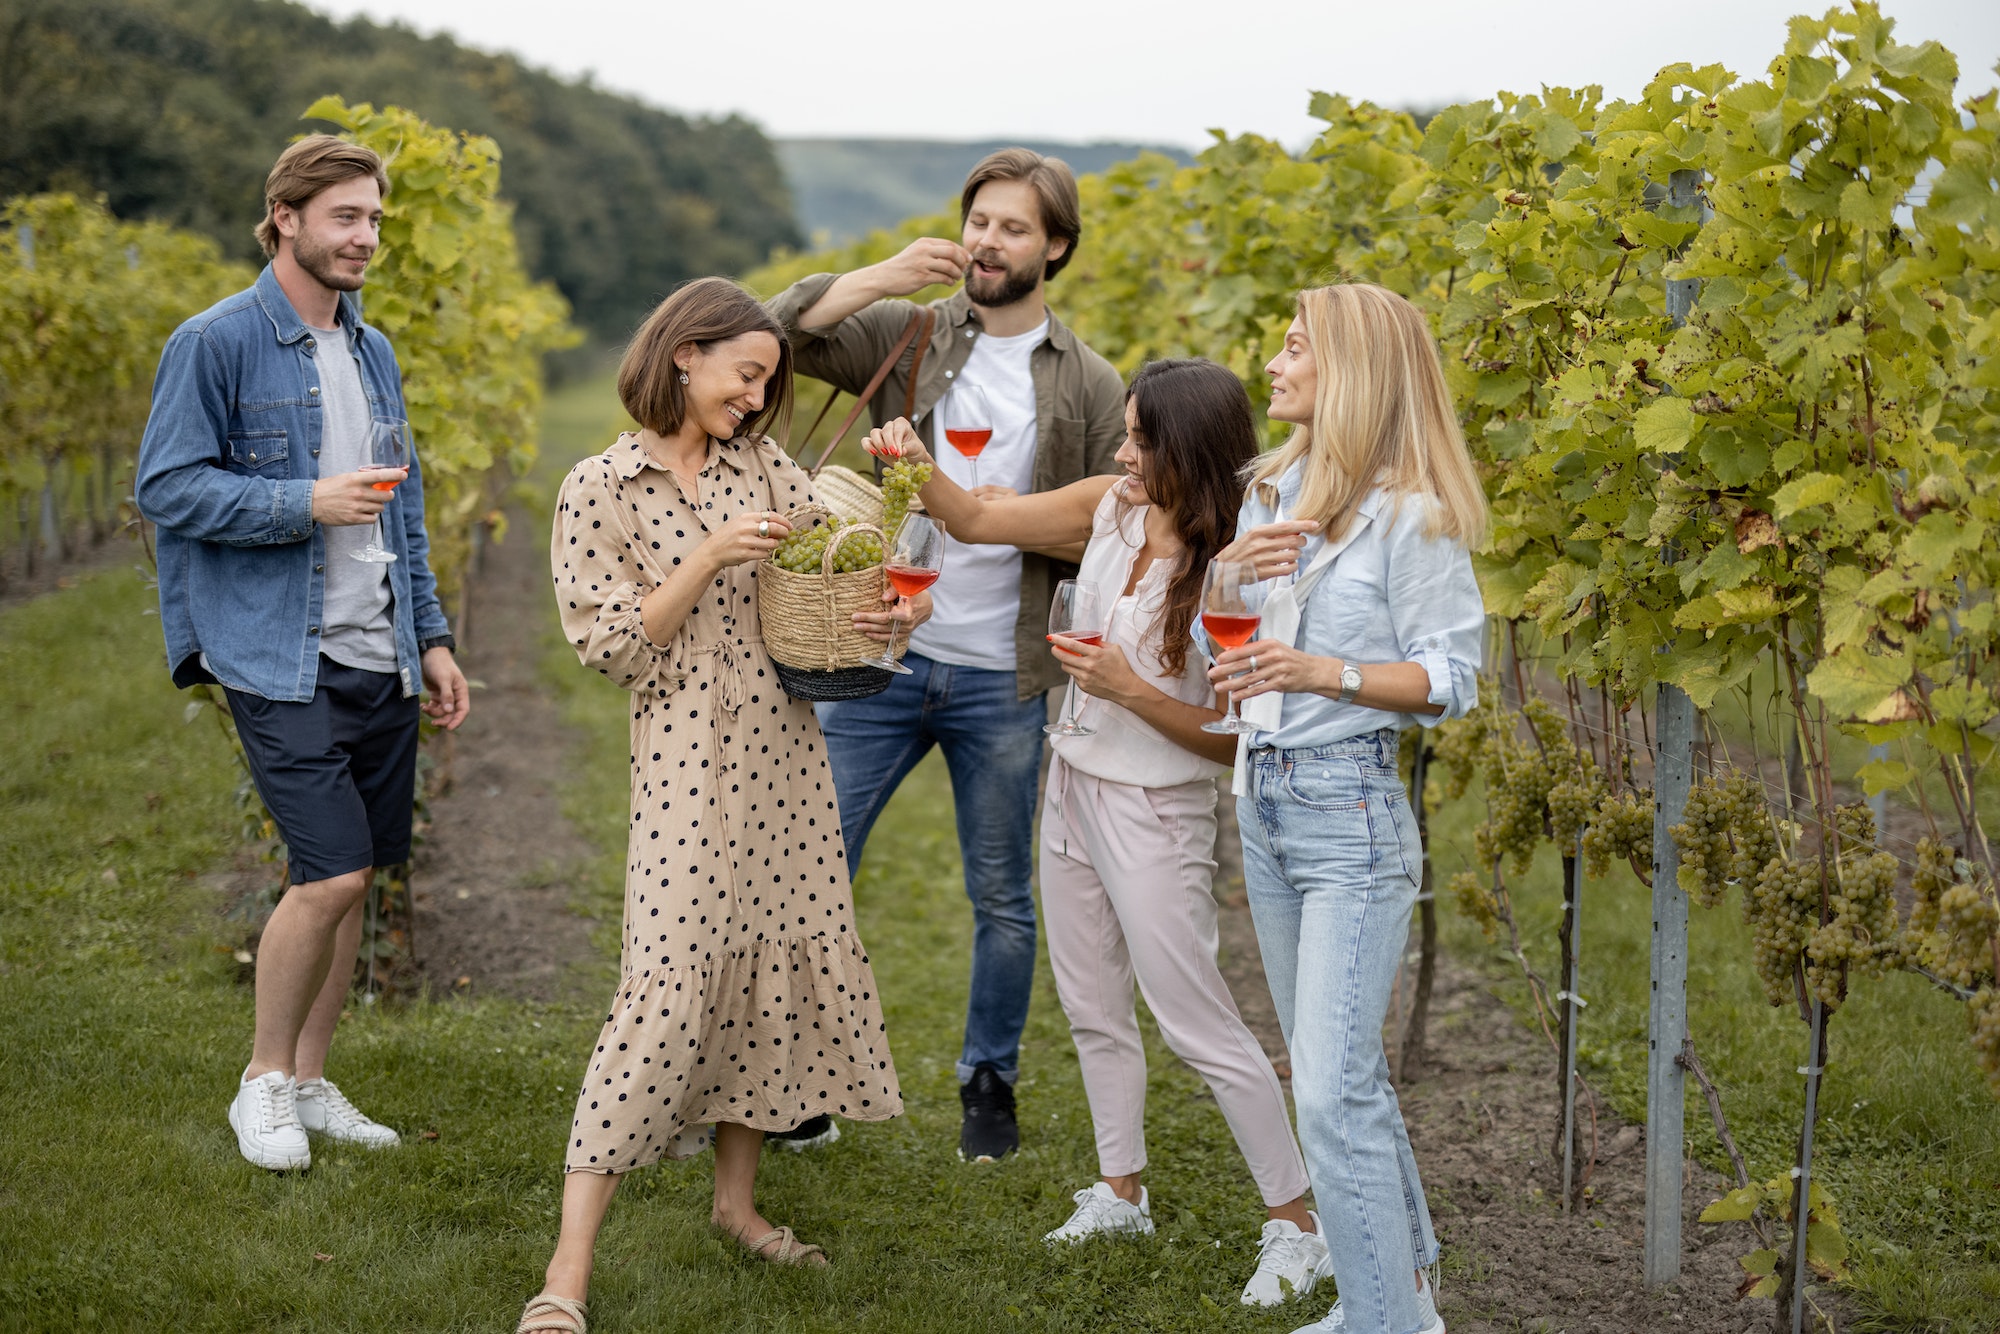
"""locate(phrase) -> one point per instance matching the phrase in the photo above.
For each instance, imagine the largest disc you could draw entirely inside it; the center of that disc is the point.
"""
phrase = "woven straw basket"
(809, 621)
(848, 494)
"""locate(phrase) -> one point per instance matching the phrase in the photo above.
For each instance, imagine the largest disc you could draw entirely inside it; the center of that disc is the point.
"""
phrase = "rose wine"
(910, 580)
(1094, 639)
(968, 443)
(1230, 631)
(383, 486)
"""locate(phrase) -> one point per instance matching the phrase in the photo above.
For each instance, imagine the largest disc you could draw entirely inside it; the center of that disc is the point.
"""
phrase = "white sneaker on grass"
(1335, 1321)
(1100, 1213)
(324, 1110)
(265, 1119)
(1290, 1264)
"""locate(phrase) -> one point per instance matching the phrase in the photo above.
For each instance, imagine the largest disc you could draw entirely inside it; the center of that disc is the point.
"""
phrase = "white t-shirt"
(978, 597)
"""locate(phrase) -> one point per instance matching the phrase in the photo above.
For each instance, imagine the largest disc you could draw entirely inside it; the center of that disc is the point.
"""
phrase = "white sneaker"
(325, 1110)
(1336, 1319)
(1100, 1213)
(1291, 1264)
(265, 1119)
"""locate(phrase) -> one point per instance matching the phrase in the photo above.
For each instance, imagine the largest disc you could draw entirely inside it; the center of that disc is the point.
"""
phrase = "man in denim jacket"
(254, 467)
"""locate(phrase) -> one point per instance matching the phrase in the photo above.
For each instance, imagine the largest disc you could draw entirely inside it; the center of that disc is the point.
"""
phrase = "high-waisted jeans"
(1332, 864)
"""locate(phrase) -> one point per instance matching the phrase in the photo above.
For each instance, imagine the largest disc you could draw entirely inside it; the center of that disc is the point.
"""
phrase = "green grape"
(1475, 899)
(1621, 828)
(901, 481)
(1967, 919)
(1982, 1012)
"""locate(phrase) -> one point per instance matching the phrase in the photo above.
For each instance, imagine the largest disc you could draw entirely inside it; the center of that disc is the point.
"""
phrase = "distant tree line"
(174, 110)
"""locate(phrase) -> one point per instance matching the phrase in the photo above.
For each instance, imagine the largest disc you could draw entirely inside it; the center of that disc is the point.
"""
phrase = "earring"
(684, 377)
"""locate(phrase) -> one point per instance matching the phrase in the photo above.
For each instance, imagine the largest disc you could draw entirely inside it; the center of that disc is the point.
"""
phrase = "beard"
(317, 259)
(1011, 286)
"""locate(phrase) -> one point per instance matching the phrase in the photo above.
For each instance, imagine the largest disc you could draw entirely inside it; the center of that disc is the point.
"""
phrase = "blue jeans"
(1332, 864)
(993, 746)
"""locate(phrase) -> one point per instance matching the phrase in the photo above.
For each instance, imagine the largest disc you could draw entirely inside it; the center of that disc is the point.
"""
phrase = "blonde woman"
(1362, 523)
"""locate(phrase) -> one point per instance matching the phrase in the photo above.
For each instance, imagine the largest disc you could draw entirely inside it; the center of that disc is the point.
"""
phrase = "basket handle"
(833, 547)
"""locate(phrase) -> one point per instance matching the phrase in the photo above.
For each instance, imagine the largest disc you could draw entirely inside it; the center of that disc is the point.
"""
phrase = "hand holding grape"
(746, 538)
(897, 441)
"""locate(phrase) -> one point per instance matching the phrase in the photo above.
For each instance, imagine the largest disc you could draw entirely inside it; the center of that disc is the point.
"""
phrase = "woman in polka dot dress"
(746, 1001)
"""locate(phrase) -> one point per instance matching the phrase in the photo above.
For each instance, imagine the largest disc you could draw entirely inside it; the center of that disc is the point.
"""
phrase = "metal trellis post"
(1673, 774)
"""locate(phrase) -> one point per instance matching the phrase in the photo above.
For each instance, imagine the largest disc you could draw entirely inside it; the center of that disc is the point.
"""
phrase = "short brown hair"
(1054, 184)
(700, 313)
(308, 167)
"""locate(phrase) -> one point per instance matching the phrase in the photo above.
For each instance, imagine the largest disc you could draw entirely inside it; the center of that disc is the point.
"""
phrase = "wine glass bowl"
(968, 423)
(1230, 613)
(388, 451)
(914, 560)
(1077, 612)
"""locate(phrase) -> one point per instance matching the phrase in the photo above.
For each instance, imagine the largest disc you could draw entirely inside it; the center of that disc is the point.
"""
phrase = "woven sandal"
(789, 1250)
(548, 1314)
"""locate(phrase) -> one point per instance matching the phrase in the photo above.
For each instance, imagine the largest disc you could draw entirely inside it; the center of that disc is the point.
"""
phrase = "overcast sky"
(1163, 72)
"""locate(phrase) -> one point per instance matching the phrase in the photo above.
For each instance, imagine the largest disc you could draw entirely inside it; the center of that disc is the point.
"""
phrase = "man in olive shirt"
(980, 667)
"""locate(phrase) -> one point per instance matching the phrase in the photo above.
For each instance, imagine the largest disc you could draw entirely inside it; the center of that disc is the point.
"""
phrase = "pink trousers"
(1126, 875)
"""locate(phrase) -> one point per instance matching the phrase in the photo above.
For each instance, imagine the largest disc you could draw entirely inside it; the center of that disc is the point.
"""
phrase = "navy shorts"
(338, 774)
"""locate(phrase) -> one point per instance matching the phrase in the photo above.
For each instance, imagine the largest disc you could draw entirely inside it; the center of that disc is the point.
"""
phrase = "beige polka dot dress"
(745, 994)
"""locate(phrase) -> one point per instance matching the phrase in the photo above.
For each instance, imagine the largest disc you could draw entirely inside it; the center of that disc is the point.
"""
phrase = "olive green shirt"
(1079, 415)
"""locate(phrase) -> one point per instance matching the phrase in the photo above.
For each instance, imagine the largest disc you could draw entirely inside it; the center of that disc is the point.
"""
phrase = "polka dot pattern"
(745, 993)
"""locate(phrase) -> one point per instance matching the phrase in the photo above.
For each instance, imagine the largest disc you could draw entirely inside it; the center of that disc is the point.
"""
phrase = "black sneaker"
(988, 1132)
(811, 1133)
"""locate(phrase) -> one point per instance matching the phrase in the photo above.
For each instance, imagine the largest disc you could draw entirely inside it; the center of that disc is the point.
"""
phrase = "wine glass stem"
(896, 626)
(1069, 705)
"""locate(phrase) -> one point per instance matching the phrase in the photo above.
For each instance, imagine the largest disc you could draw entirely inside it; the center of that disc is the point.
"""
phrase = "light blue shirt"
(1393, 595)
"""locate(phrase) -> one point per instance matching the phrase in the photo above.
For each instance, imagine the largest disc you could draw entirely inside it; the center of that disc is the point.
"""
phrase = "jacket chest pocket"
(264, 453)
(1063, 451)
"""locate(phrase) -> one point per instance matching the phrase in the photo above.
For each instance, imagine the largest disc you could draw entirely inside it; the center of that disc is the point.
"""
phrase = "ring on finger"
(1253, 663)
(763, 527)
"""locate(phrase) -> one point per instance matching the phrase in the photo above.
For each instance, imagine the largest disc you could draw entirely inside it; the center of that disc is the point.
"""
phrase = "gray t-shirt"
(356, 628)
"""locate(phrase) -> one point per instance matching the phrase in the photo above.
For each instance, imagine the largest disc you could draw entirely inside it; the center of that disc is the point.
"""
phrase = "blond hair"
(1382, 419)
(308, 167)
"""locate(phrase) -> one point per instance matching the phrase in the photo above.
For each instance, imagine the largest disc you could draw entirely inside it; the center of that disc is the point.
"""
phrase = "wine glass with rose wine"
(1077, 613)
(1230, 617)
(388, 451)
(916, 558)
(968, 424)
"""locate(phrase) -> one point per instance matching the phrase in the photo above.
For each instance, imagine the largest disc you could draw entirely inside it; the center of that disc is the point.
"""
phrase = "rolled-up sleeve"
(1437, 613)
(600, 583)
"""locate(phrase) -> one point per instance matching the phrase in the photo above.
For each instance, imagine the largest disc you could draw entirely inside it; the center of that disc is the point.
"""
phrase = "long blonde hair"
(1382, 418)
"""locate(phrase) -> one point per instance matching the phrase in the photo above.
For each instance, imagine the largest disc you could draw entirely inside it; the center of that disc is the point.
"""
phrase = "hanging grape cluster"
(1864, 931)
(1982, 1012)
(1622, 828)
(1782, 907)
(901, 481)
(1475, 898)
(1725, 837)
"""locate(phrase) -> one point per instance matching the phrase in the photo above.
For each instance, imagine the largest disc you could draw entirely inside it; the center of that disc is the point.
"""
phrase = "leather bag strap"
(918, 330)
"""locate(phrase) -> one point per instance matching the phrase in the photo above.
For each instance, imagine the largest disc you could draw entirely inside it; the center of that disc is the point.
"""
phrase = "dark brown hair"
(308, 167)
(1197, 434)
(700, 314)
(1054, 185)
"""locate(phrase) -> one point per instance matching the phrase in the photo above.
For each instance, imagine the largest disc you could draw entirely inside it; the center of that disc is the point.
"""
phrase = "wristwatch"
(1350, 682)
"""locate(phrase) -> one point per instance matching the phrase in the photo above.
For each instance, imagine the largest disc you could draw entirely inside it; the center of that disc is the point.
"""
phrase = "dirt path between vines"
(492, 876)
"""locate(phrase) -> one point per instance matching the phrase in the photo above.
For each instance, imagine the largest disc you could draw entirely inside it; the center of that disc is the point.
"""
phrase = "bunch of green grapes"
(1622, 829)
(1571, 804)
(1855, 824)
(1702, 837)
(1935, 872)
(1455, 750)
(1475, 899)
(1983, 1013)
(1783, 911)
(1517, 794)
(801, 549)
(901, 481)
(1862, 931)
(1963, 948)
(860, 552)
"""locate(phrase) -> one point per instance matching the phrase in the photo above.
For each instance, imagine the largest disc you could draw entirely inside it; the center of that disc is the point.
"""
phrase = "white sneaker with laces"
(1335, 1321)
(1100, 1213)
(325, 1110)
(265, 1118)
(1290, 1265)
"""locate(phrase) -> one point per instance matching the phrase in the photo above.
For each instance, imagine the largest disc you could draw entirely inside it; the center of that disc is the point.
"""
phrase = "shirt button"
(968, 333)
(947, 375)
(314, 391)
(319, 569)
(311, 343)
(312, 629)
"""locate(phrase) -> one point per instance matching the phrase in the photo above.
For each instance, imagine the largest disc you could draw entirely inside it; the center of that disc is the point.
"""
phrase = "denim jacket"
(226, 472)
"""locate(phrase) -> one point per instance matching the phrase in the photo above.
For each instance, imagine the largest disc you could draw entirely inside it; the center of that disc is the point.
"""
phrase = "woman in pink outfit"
(1128, 824)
